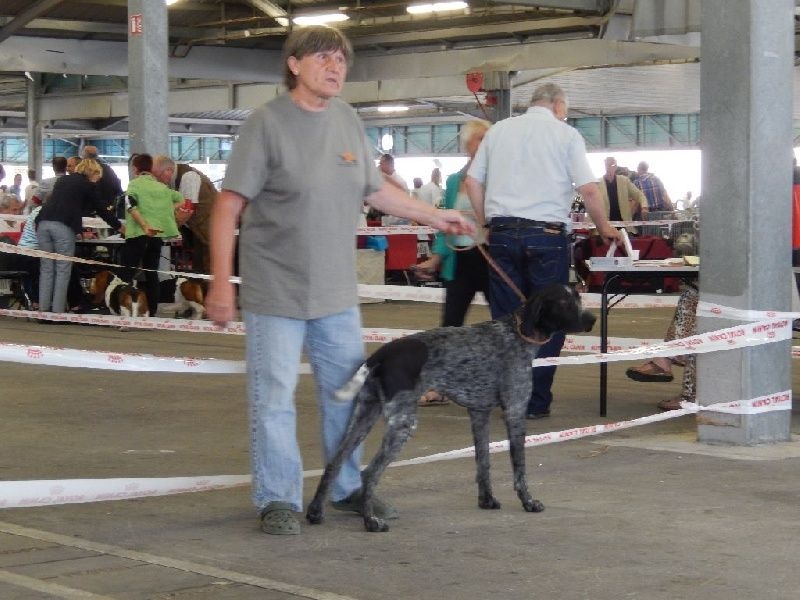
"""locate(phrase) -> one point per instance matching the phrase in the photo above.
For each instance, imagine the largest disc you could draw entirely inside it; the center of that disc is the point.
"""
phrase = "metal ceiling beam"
(92, 57)
(120, 29)
(268, 8)
(596, 6)
(504, 29)
(89, 57)
(26, 16)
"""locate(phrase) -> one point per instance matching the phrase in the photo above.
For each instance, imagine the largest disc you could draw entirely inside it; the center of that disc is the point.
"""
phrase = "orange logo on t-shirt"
(348, 158)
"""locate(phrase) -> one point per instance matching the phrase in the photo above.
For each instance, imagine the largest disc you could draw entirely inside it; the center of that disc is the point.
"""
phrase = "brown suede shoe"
(649, 372)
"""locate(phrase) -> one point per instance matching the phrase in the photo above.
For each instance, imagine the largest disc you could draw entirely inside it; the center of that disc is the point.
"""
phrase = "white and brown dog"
(189, 298)
(119, 297)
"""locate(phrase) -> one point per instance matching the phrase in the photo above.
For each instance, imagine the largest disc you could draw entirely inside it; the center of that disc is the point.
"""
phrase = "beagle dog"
(189, 298)
(120, 298)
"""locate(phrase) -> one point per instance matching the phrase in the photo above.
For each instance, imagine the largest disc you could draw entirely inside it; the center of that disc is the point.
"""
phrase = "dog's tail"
(349, 390)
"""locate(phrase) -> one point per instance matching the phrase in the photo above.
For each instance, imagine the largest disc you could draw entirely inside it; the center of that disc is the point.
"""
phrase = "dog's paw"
(314, 515)
(374, 524)
(490, 503)
(533, 506)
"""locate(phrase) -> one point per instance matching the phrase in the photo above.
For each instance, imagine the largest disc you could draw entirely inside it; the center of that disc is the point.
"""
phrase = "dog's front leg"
(515, 425)
(480, 436)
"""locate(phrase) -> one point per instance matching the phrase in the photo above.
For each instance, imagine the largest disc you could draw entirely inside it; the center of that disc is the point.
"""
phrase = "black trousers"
(472, 275)
(145, 251)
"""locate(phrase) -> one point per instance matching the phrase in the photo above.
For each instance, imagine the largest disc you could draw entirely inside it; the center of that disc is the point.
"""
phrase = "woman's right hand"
(221, 302)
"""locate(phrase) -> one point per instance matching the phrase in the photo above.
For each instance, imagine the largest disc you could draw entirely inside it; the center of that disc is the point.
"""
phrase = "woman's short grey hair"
(548, 93)
(310, 40)
(470, 128)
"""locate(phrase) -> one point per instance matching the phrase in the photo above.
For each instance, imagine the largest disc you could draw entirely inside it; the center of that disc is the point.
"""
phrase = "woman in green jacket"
(459, 262)
(464, 271)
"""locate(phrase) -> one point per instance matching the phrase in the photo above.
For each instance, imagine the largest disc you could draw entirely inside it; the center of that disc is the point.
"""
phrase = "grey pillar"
(148, 84)
(745, 257)
(499, 84)
(34, 127)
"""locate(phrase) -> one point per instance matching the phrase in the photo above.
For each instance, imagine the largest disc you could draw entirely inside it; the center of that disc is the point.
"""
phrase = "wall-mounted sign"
(136, 25)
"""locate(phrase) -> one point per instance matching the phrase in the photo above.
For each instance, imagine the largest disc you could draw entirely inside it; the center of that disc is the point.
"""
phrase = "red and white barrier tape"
(407, 292)
(98, 223)
(185, 325)
(619, 348)
(436, 295)
(383, 292)
(93, 222)
(740, 336)
(396, 230)
(12, 249)
(709, 309)
(590, 225)
(18, 494)
(368, 334)
(773, 402)
(115, 361)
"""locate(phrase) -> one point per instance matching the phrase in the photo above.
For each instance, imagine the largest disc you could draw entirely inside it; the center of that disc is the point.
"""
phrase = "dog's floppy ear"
(529, 315)
(98, 286)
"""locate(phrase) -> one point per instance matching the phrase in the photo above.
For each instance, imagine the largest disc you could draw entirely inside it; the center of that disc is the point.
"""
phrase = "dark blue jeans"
(532, 259)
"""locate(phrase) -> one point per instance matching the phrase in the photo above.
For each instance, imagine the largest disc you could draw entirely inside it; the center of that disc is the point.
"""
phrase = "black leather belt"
(520, 223)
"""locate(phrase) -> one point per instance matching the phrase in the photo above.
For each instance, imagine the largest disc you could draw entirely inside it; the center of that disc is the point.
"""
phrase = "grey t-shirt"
(305, 175)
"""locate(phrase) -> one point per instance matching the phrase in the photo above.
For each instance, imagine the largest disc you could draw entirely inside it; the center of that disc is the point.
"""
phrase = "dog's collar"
(530, 340)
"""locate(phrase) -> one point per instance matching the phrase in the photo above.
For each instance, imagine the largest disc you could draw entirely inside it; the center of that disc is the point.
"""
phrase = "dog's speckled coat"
(479, 367)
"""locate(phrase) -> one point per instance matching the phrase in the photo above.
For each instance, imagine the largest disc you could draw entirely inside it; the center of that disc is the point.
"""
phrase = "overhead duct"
(667, 22)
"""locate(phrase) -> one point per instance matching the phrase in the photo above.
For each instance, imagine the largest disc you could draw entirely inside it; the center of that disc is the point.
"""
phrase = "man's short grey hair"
(548, 93)
(162, 162)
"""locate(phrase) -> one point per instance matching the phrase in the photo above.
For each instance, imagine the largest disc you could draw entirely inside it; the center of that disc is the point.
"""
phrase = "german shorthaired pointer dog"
(479, 367)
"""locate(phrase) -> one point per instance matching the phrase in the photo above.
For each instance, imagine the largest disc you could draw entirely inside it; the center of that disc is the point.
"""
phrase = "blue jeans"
(274, 348)
(54, 236)
(532, 259)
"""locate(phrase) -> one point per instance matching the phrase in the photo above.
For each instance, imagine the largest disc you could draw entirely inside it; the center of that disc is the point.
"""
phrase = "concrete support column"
(34, 127)
(745, 240)
(498, 85)
(148, 84)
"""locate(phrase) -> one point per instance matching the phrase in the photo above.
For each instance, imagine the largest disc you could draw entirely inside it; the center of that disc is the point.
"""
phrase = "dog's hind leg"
(366, 411)
(401, 421)
(480, 436)
(515, 425)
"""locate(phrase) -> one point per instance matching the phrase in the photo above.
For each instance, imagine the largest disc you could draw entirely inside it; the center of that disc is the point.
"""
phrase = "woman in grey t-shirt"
(298, 176)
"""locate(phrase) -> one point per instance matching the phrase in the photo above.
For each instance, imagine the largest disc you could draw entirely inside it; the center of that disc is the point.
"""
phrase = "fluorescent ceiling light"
(320, 19)
(170, 2)
(387, 108)
(422, 9)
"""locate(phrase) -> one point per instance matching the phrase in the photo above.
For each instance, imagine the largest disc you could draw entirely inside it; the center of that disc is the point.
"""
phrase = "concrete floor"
(644, 513)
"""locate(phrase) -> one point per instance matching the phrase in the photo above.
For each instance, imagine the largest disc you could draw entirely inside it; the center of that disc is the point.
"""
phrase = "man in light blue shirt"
(521, 184)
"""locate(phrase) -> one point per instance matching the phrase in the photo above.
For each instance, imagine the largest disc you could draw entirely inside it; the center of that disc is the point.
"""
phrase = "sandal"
(277, 518)
(432, 398)
(671, 404)
(649, 372)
